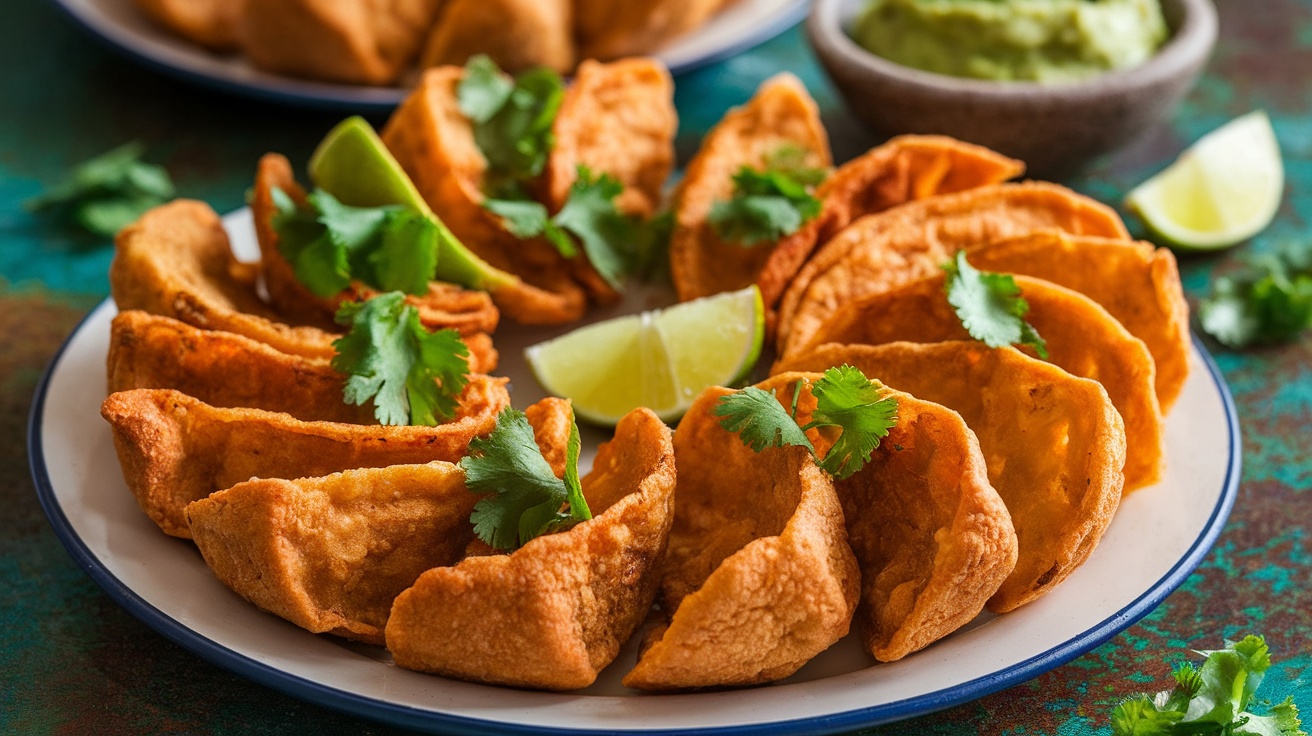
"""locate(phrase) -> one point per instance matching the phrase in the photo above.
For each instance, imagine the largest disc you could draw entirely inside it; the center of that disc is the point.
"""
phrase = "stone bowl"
(1054, 128)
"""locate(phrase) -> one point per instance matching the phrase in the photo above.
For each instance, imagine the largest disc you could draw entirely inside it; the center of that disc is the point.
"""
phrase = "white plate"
(743, 25)
(1160, 534)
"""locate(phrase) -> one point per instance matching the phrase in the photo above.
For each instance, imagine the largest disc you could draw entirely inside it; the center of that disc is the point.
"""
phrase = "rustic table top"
(71, 661)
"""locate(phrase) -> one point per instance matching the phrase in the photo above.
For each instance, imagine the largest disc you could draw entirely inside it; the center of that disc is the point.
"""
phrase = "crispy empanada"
(213, 24)
(609, 30)
(517, 34)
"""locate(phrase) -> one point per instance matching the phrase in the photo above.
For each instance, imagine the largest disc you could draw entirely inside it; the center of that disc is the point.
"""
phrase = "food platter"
(745, 24)
(1159, 536)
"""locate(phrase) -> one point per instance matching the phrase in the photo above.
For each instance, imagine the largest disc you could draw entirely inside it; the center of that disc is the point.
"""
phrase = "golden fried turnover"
(1053, 444)
(904, 169)
(354, 41)
(517, 34)
(211, 23)
(759, 577)
(553, 613)
(780, 116)
(1136, 283)
(1082, 339)
(175, 449)
(609, 30)
(434, 142)
(330, 554)
(444, 306)
(913, 240)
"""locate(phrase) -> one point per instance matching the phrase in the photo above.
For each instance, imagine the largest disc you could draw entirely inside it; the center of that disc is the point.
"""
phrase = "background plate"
(743, 25)
(1160, 534)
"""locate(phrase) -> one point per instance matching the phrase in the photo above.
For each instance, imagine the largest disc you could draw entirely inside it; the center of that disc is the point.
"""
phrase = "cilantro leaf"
(1212, 699)
(106, 193)
(990, 307)
(845, 400)
(390, 248)
(1269, 302)
(413, 376)
(525, 498)
(770, 203)
(512, 120)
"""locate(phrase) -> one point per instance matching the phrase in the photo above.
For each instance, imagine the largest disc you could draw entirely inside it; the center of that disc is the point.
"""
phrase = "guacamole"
(1035, 40)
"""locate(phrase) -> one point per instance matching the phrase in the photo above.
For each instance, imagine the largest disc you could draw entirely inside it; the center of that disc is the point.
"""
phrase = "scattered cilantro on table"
(108, 192)
(412, 375)
(845, 400)
(770, 203)
(525, 498)
(328, 244)
(1268, 302)
(1212, 700)
(512, 121)
(990, 307)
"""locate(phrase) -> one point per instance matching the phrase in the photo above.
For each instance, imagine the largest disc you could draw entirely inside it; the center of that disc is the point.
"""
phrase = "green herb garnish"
(845, 400)
(329, 244)
(770, 203)
(412, 375)
(1269, 302)
(107, 193)
(990, 307)
(512, 121)
(1212, 700)
(525, 498)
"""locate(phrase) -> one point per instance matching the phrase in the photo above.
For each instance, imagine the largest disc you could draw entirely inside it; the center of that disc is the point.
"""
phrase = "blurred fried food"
(553, 613)
(174, 449)
(609, 30)
(913, 240)
(330, 554)
(759, 577)
(1082, 338)
(213, 24)
(781, 115)
(517, 34)
(1053, 444)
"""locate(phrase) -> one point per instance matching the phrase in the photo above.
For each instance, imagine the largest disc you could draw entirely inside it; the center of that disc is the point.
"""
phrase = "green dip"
(1036, 40)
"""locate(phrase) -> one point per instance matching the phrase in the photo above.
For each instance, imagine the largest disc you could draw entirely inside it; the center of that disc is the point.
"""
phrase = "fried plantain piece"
(434, 143)
(553, 613)
(1082, 339)
(1053, 444)
(1136, 283)
(913, 240)
(443, 306)
(780, 116)
(330, 554)
(175, 449)
(759, 577)
(211, 23)
(353, 41)
(610, 30)
(904, 169)
(227, 370)
(517, 34)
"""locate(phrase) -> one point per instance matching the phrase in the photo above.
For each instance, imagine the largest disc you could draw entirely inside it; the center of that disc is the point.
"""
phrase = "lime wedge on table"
(353, 165)
(1222, 191)
(661, 359)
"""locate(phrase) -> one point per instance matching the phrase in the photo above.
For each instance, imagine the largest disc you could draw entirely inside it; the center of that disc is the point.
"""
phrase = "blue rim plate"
(745, 24)
(1159, 536)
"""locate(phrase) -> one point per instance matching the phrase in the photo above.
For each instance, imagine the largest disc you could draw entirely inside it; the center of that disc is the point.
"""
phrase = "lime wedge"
(661, 359)
(353, 165)
(1222, 191)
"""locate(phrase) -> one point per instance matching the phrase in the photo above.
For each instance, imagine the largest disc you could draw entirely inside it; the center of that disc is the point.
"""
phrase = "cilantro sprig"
(329, 244)
(614, 243)
(1268, 302)
(990, 306)
(106, 193)
(413, 376)
(770, 203)
(525, 498)
(845, 400)
(512, 121)
(1212, 700)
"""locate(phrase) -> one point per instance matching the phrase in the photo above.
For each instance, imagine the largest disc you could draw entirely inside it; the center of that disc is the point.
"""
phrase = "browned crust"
(516, 34)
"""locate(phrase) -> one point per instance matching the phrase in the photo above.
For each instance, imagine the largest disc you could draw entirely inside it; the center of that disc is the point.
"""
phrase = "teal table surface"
(72, 662)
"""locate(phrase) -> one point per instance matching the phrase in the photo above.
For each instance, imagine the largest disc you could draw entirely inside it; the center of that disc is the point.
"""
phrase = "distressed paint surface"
(72, 662)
